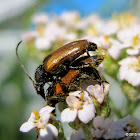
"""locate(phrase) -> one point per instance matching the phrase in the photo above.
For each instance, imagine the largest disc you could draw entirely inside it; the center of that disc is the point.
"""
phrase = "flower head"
(126, 125)
(69, 18)
(80, 105)
(101, 127)
(40, 19)
(99, 91)
(130, 70)
(39, 120)
(131, 38)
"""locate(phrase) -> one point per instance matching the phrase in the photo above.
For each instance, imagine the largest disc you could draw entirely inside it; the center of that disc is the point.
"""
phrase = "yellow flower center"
(135, 65)
(106, 38)
(76, 18)
(135, 40)
(134, 130)
(36, 115)
(132, 124)
(82, 95)
(39, 125)
(138, 61)
(77, 105)
(40, 30)
(91, 31)
(124, 19)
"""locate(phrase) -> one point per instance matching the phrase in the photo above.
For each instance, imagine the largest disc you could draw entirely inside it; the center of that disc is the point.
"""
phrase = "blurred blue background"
(104, 8)
(17, 95)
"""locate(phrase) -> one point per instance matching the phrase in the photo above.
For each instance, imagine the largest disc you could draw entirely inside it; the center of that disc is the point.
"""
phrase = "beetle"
(58, 60)
(58, 63)
(72, 81)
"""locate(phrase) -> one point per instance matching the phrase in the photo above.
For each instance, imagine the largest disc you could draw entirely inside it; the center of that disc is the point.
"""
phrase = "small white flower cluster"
(130, 70)
(120, 38)
(108, 129)
(101, 128)
(80, 103)
(40, 121)
(80, 106)
(122, 32)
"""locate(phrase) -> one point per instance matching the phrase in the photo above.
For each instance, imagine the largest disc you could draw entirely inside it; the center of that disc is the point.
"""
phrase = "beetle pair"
(62, 67)
(72, 80)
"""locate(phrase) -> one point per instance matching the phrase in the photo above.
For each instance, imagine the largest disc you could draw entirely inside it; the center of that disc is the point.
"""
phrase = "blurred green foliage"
(16, 91)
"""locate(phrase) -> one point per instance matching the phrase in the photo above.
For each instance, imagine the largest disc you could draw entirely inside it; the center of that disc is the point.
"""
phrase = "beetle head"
(92, 46)
(41, 76)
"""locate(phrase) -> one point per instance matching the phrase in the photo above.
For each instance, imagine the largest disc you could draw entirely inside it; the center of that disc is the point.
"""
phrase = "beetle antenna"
(22, 66)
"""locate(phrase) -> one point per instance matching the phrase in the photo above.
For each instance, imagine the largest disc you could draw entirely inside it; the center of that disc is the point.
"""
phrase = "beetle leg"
(79, 67)
(99, 78)
(86, 61)
(88, 53)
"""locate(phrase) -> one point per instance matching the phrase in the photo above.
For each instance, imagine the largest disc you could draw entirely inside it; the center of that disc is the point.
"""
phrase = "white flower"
(115, 48)
(29, 36)
(69, 18)
(125, 20)
(99, 91)
(54, 31)
(101, 126)
(42, 43)
(131, 38)
(135, 45)
(102, 41)
(40, 18)
(88, 22)
(108, 27)
(130, 70)
(119, 128)
(70, 36)
(80, 105)
(40, 122)
(126, 35)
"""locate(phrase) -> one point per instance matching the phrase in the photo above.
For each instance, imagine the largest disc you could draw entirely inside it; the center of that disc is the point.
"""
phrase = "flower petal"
(44, 118)
(43, 132)
(27, 126)
(97, 133)
(107, 123)
(75, 93)
(98, 122)
(100, 98)
(68, 115)
(98, 89)
(32, 117)
(90, 89)
(87, 113)
(46, 108)
(41, 43)
(52, 129)
(71, 100)
(106, 87)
